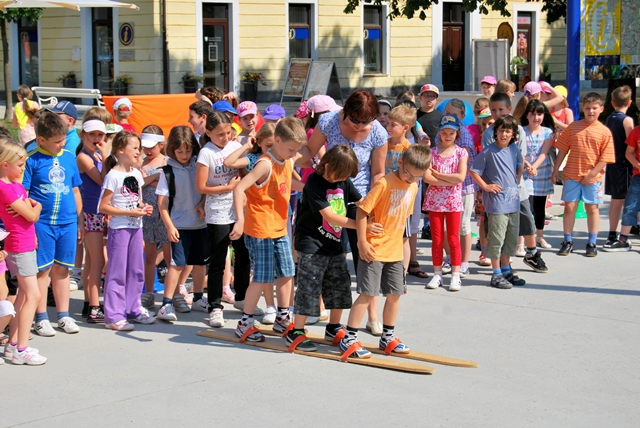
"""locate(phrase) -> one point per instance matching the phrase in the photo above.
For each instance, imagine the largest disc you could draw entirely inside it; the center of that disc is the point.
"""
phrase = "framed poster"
(297, 78)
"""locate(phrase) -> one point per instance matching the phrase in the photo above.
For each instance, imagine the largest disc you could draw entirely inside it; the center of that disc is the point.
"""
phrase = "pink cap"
(321, 103)
(544, 88)
(246, 107)
(302, 111)
(490, 80)
(532, 88)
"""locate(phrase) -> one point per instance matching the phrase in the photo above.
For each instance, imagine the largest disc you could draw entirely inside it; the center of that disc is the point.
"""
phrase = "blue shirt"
(50, 180)
(73, 141)
(500, 166)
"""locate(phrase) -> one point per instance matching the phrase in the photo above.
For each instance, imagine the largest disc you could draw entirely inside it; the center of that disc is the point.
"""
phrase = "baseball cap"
(123, 104)
(449, 121)
(94, 125)
(321, 103)
(429, 88)
(561, 90)
(490, 80)
(302, 111)
(274, 112)
(65, 107)
(484, 113)
(113, 128)
(532, 88)
(545, 89)
(150, 140)
(224, 107)
(246, 107)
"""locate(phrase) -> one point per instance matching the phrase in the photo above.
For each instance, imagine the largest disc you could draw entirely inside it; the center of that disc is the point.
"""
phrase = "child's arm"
(630, 154)
(238, 158)
(627, 124)
(367, 252)
(452, 179)
(430, 179)
(590, 177)
(107, 209)
(491, 188)
(378, 158)
(559, 159)
(257, 175)
(29, 209)
(86, 165)
(78, 197)
(297, 185)
(557, 98)
(202, 175)
(14, 122)
(546, 146)
(163, 207)
(337, 220)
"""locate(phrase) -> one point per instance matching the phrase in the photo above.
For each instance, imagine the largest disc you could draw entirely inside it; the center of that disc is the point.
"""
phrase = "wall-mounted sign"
(126, 34)
(505, 31)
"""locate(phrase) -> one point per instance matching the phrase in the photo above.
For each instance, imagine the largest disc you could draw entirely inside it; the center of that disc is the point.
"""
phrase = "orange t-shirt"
(390, 202)
(268, 203)
(585, 145)
(394, 154)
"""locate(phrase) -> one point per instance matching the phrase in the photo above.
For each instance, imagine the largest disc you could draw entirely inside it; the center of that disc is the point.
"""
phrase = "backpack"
(171, 183)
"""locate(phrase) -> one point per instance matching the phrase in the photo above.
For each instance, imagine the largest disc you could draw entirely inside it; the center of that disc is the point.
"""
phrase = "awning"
(69, 4)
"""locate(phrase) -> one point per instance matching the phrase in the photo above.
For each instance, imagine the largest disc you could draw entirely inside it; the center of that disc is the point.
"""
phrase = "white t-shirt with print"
(127, 191)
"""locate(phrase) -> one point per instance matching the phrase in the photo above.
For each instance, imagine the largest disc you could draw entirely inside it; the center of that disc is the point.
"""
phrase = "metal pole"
(573, 56)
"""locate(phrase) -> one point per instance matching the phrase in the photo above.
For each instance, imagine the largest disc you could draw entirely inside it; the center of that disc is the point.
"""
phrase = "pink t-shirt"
(22, 233)
(446, 199)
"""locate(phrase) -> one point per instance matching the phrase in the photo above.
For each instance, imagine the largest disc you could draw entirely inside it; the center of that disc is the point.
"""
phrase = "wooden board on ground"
(280, 345)
(374, 349)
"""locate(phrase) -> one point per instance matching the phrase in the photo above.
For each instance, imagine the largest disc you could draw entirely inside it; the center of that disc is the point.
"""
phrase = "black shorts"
(617, 179)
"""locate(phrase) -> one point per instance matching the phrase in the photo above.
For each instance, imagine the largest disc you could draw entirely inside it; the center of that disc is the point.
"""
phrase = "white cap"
(94, 125)
(150, 140)
(123, 104)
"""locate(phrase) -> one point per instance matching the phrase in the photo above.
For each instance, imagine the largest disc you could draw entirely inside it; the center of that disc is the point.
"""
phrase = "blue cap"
(224, 107)
(65, 107)
(274, 112)
(450, 121)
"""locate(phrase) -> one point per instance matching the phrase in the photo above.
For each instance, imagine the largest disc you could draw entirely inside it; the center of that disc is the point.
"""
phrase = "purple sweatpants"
(125, 275)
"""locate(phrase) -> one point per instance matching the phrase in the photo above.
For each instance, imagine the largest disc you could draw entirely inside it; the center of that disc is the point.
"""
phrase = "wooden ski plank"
(280, 345)
(374, 349)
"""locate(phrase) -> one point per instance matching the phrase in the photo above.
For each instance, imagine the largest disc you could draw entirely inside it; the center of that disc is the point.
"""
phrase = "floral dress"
(541, 184)
(445, 198)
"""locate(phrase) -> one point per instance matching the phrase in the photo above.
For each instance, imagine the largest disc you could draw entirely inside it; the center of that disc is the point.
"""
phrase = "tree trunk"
(7, 70)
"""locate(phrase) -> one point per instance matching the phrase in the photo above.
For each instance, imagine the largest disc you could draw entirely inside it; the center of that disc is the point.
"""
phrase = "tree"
(12, 15)
(555, 9)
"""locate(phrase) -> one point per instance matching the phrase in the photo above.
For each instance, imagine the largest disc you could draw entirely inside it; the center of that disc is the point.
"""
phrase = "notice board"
(323, 80)
(297, 77)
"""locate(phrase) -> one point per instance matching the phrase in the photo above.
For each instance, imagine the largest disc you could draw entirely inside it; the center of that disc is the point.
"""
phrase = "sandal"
(543, 244)
(416, 270)
(4, 339)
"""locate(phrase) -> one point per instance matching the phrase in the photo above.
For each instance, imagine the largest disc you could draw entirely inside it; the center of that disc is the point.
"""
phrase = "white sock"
(464, 266)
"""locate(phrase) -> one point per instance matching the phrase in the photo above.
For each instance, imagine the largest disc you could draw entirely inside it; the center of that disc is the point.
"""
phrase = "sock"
(351, 336)
(505, 269)
(592, 238)
(282, 313)
(181, 286)
(455, 274)
(623, 238)
(85, 306)
(291, 309)
(387, 332)
(13, 343)
(197, 296)
(482, 249)
(333, 327)
(62, 315)
(533, 250)
(464, 266)
(612, 235)
(246, 318)
(568, 237)
(22, 349)
(165, 301)
(41, 316)
(497, 271)
(438, 272)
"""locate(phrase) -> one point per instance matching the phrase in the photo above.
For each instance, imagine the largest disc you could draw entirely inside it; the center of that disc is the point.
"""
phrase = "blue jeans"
(632, 203)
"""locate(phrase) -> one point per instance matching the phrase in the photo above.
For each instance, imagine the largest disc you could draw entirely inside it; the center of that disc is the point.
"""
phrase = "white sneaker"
(216, 319)
(29, 357)
(143, 319)
(147, 312)
(446, 267)
(179, 303)
(201, 305)
(269, 315)
(43, 328)
(166, 313)
(436, 281)
(257, 312)
(10, 349)
(455, 283)
(75, 282)
(312, 320)
(69, 325)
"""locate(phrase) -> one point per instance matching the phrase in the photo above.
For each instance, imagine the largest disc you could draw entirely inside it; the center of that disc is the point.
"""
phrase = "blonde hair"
(417, 156)
(404, 115)
(100, 113)
(481, 103)
(266, 131)
(291, 129)
(505, 85)
(11, 151)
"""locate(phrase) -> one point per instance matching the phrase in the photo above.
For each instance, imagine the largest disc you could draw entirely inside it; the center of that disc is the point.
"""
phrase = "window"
(28, 51)
(299, 31)
(373, 39)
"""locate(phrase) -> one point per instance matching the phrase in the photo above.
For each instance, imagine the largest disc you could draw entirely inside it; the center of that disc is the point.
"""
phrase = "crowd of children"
(225, 191)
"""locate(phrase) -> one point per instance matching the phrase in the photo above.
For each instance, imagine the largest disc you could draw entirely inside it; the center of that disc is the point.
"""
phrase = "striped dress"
(541, 184)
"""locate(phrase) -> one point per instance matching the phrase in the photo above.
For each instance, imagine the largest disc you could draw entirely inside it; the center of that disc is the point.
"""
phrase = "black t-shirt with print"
(430, 124)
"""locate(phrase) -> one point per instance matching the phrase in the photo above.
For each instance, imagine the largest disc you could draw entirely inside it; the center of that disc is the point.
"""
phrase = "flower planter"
(250, 91)
(190, 87)
(120, 88)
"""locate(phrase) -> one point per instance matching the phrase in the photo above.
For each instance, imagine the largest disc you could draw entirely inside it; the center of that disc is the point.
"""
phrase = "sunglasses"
(360, 122)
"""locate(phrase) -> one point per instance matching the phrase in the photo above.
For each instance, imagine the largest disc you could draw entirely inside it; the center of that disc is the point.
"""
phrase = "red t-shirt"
(633, 140)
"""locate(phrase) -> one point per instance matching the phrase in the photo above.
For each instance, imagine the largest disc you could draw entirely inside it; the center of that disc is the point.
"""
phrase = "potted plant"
(545, 76)
(518, 63)
(251, 81)
(68, 80)
(121, 84)
(190, 82)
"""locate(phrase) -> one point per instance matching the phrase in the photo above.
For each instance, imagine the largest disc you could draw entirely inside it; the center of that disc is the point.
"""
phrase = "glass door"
(28, 51)
(215, 32)
(103, 49)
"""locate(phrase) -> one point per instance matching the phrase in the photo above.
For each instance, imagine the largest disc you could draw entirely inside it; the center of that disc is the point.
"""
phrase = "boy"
(69, 114)
(497, 170)
(390, 202)
(51, 177)
(399, 121)
(588, 145)
(122, 110)
(268, 189)
(198, 112)
(618, 175)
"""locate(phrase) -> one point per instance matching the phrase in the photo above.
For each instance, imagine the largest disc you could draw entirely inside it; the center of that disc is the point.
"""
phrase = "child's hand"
(532, 171)
(138, 212)
(587, 180)
(367, 252)
(3, 255)
(234, 182)
(173, 234)
(236, 233)
(554, 177)
(200, 209)
(493, 188)
(424, 139)
(11, 211)
(148, 209)
(374, 228)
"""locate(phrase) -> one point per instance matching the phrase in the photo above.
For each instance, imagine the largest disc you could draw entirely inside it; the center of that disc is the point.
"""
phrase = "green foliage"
(555, 9)
(32, 14)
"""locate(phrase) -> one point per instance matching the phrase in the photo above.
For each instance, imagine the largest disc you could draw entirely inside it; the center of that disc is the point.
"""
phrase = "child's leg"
(85, 273)
(571, 193)
(311, 277)
(150, 254)
(184, 275)
(94, 264)
(358, 309)
(453, 226)
(392, 287)
(372, 309)
(466, 239)
(219, 248)
(116, 278)
(390, 310)
(437, 240)
(615, 212)
(538, 205)
(135, 273)
(43, 285)
(28, 298)
(268, 295)
(569, 218)
(171, 281)
(60, 286)
(283, 291)
(241, 269)
(593, 218)
(406, 251)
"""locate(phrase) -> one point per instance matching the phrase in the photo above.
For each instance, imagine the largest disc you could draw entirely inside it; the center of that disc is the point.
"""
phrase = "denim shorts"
(632, 203)
(270, 258)
(573, 191)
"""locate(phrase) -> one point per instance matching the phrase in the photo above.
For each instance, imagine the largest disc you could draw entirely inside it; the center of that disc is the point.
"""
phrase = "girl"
(153, 228)
(19, 213)
(89, 160)
(183, 215)
(248, 154)
(121, 200)
(217, 182)
(538, 127)
(506, 86)
(533, 90)
(24, 115)
(385, 109)
(248, 118)
(443, 199)
(562, 114)
(476, 129)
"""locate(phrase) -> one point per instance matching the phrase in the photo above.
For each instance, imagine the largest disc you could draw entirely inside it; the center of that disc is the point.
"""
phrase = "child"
(322, 264)
(217, 182)
(51, 178)
(198, 112)
(444, 199)
(618, 175)
(488, 84)
(19, 213)
(247, 113)
(121, 199)
(183, 215)
(24, 115)
(226, 108)
(246, 156)
(534, 90)
(268, 188)
(588, 146)
(632, 201)
(122, 109)
(483, 120)
(428, 116)
(390, 202)
(400, 120)
(69, 114)
(562, 114)
(497, 170)
(385, 109)
(273, 113)
(506, 86)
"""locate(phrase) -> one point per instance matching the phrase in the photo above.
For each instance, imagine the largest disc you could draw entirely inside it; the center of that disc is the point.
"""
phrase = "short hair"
(592, 97)
(621, 96)
(11, 151)
(292, 129)
(404, 115)
(459, 104)
(50, 125)
(417, 156)
(509, 122)
(99, 113)
(505, 85)
(500, 97)
(201, 107)
(341, 161)
(179, 136)
(361, 105)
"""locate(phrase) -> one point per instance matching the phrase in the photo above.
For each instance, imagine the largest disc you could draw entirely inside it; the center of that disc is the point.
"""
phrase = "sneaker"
(549, 216)
(400, 348)
(253, 337)
(535, 262)
(565, 248)
(281, 324)
(375, 327)
(215, 318)
(483, 261)
(446, 267)
(122, 325)
(147, 312)
(312, 320)
(592, 250)
(167, 313)
(269, 315)
(478, 246)
(499, 281)
(464, 272)
(520, 251)
(358, 353)
(29, 356)
(616, 246)
(324, 315)
(635, 230)
(228, 296)
(435, 282)
(543, 244)
(143, 319)
(43, 328)
(68, 324)
(179, 303)
(455, 284)
(75, 282)
(148, 300)
(514, 279)
(188, 298)
(330, 334)
(305, 345)
(426, 234)
(200, 305)
(96, 316)
(10, 349)
(189, 287)
(257, 312)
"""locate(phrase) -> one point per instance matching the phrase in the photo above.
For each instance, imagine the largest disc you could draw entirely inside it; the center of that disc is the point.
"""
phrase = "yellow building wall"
(182, 41)
(60, 32)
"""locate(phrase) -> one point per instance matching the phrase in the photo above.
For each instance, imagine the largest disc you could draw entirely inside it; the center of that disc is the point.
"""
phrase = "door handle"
(450, 60)
(98, 68)
(223, 67)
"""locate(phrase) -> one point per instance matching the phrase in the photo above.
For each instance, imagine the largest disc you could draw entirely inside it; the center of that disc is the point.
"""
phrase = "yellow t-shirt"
(390, 202)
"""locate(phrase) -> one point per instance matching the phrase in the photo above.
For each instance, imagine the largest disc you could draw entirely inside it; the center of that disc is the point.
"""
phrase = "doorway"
(28, 52)
(103, 49)
(215, 33)
(453, 21)
(524, 40)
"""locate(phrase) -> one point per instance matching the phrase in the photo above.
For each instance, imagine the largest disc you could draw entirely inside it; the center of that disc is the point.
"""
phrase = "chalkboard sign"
(323, 80)
(296, 78)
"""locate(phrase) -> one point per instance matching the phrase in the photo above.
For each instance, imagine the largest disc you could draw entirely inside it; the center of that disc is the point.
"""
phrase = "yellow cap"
(561, 90)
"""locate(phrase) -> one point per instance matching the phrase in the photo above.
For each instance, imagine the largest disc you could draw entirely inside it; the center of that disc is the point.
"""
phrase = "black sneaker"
(535, 262)
(426, 233)
(96, 316)
(499, 281)
(565, 248)
(478, 246)
(616, 246)
(305, 345)
(592, 250)
(635, 230)
(514, 279)
(330, 334)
